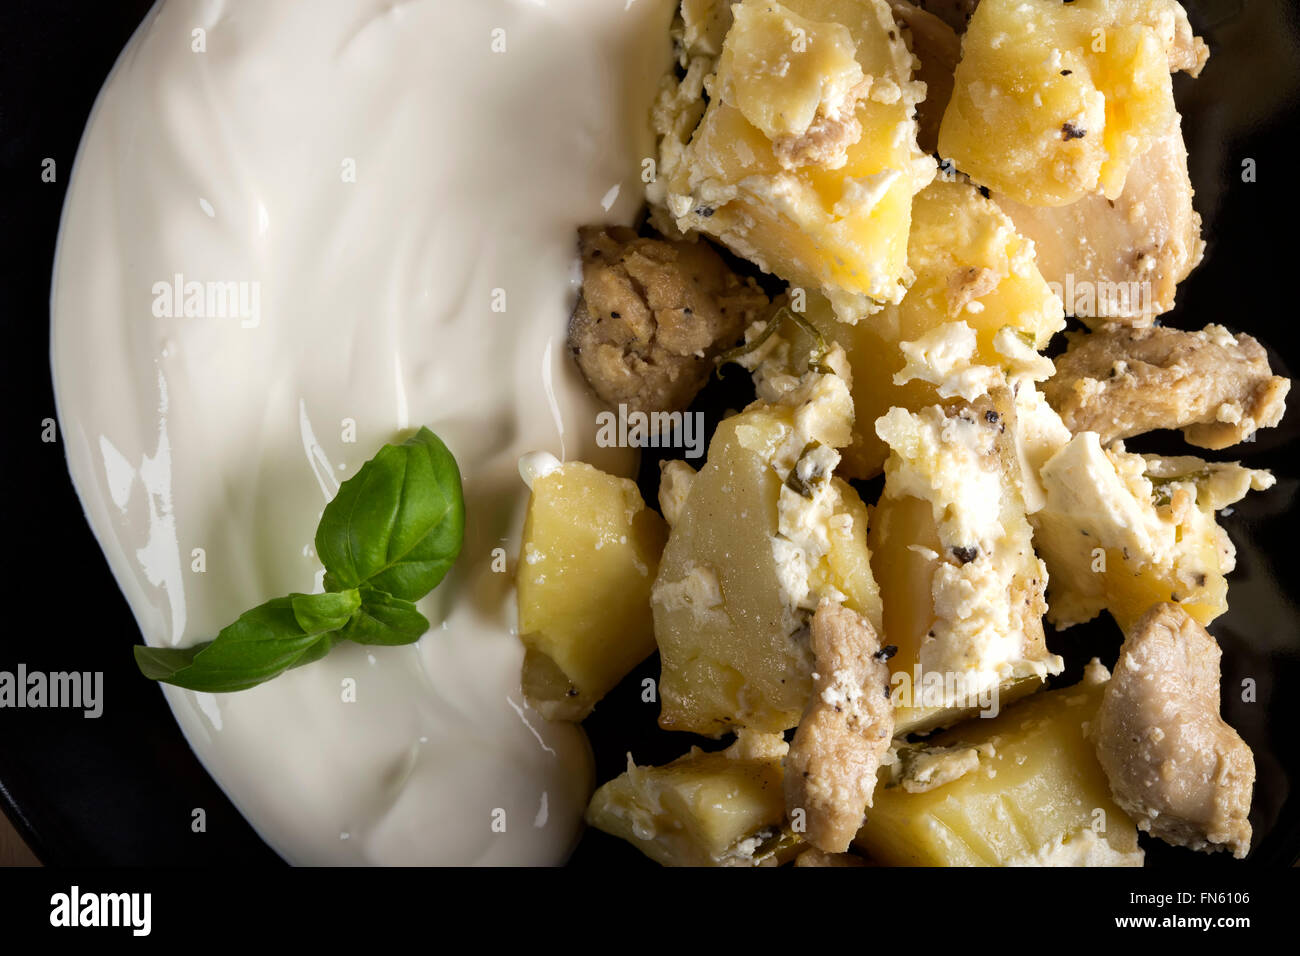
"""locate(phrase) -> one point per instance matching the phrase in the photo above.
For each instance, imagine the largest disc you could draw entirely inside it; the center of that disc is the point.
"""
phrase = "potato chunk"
(1053, 101)
(1121, 532)
(703, 809)
(952, 552)
(975, 278)
(1032, 795)
(805, 160)
(764, 533)
(589, 555)
(1132, 251)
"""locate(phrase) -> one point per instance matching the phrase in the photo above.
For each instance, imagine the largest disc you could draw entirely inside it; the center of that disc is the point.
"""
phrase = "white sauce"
(369, 301)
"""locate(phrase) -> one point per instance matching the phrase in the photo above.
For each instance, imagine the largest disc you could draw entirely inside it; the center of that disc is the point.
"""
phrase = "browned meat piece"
(652, 316)
(1174, 766)
(826, 141)
(1120, 261)
(967, 285)
(830, 772)
(938, 48)
(1121, 381)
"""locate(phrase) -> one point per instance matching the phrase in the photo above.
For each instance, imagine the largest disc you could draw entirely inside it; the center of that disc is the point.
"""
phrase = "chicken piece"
(1121, 260)
(1123, 381)
(653, 314)
(815, 857)
(1174, 766)
(830, 772)
(826, 140)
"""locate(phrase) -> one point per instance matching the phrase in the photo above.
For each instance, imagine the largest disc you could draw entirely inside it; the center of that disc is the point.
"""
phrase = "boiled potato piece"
(905, 575)
(764, 532)
(703, 809)
(805, 160)
(589, 556)
(779, 68)
(1054, 101)
(1121, 532)
(952, 552)
(971, 268)
(1022, 789)
(1133, 251)
(704, 25)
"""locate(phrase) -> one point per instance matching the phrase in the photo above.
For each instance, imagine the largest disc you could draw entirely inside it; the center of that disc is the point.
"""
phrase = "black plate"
(121, 789)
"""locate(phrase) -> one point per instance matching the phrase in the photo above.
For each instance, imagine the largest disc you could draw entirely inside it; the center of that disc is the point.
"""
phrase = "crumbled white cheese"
(926, 769)
(1112, 508)
(864, 193)
(986, 584)
(1040, 434)
(1084, 848)
(698, 590)
(675, 478)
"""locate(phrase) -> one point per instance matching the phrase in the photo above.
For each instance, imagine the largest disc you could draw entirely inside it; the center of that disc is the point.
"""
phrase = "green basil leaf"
(388, 538)
(324, 612)
(262, 644)
(398, 523)
(384, 619)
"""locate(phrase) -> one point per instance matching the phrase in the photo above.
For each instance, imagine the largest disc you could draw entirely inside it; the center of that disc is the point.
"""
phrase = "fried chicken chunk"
(1174, 766)
(830, 772)
(652, 316)
(1123, 381)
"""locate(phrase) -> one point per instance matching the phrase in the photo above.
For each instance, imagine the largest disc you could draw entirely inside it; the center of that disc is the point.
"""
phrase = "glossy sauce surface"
(376, 204)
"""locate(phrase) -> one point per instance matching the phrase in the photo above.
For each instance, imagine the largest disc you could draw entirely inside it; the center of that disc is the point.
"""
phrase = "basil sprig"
(387, 539)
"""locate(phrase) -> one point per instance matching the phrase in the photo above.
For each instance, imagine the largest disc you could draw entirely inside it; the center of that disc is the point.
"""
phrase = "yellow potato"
(956, 235)
(734, 651)
(953, 556)
(1053, 101)
(1032, 793)
(1121, 532)
(711, 652)
(589, 556)
(805, 161)
(703, 809)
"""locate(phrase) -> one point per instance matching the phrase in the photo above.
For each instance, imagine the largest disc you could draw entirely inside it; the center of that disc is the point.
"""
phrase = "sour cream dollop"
(294, 232)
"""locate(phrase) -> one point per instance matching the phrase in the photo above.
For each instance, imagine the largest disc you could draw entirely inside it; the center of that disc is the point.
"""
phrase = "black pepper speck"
(966, 555)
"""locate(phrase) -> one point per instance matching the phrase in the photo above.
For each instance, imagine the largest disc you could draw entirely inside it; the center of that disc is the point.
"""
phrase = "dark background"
(120, 789)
